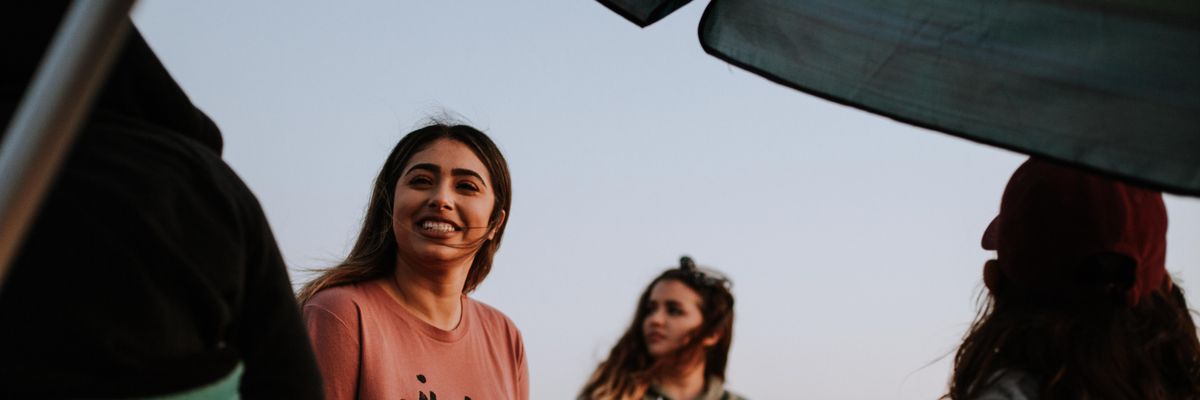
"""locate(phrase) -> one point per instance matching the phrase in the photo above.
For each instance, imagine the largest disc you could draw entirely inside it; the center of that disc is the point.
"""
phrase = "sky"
(852, 239)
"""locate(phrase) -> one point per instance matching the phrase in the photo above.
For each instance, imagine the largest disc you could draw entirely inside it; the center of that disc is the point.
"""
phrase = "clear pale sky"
(852, 239)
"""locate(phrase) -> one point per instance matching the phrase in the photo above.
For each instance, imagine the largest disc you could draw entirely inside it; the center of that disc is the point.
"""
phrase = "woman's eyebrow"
(435, 169)
(467, 172)
(425, 166)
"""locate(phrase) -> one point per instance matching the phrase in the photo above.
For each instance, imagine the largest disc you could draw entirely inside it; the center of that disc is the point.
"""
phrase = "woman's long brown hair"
(630, 369)
(374, 253)
(1095, 347)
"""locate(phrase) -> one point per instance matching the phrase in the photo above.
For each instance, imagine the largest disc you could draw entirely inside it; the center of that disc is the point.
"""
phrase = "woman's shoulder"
(717, 391)
(490, 317)
(340, 299)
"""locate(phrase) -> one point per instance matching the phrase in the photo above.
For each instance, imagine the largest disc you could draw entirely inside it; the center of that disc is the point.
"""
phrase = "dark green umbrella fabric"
(644, 13)
(1112, 86)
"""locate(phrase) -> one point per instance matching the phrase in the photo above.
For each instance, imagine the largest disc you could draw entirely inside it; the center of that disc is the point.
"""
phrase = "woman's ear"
(992, 276)
(711, 340)
(496, 224)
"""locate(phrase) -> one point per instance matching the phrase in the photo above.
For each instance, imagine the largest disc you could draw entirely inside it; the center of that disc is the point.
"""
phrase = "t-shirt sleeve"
(521, 362)
(523, 378)
(333, 329)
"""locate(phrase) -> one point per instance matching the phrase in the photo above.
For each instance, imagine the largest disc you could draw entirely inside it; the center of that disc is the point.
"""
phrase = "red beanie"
(1053, 217)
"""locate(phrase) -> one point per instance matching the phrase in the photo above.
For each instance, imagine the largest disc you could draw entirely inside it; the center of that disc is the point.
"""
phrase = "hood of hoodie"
(138, 87)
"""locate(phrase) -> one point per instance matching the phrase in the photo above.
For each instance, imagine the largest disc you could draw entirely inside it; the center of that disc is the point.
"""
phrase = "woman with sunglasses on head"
(1080, 305)
(393, 320)
(677, 345)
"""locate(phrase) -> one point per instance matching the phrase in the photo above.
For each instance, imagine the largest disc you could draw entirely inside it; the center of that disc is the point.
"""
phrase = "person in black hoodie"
(150, 269)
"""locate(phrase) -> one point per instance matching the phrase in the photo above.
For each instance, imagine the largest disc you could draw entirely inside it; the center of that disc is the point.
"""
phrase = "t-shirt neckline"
(425, 328)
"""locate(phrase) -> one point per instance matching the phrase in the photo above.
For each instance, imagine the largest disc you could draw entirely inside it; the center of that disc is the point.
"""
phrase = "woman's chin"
(434, 254)
(657, 351)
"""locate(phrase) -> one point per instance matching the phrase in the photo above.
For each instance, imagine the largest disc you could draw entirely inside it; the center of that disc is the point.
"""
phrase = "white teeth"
(437, 226)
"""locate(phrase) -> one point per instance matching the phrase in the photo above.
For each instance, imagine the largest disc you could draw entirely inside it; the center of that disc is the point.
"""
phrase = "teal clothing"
(224, 389)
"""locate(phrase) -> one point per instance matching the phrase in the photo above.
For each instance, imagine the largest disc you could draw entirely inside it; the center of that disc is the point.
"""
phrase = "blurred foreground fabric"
(1108, 85)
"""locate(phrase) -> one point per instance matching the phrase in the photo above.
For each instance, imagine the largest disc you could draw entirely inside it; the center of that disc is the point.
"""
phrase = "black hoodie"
(150, 268)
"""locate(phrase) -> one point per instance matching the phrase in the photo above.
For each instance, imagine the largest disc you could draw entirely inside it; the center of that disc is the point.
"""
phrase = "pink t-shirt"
(370, 347)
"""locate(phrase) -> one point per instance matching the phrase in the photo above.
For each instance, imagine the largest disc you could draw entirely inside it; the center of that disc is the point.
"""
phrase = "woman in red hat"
(1079, 302)
(677, 345)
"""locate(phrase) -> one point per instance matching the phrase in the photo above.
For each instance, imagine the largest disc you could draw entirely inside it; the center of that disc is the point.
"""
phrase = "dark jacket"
(150, 268)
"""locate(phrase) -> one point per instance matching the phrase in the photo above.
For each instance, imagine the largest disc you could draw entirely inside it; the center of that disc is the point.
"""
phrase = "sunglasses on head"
(703, 276)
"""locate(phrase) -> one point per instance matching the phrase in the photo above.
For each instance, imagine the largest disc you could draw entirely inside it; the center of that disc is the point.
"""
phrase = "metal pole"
(57, 100)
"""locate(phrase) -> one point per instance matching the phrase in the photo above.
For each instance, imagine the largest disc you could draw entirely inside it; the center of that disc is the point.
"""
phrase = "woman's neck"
(685, 385)
(432, 293)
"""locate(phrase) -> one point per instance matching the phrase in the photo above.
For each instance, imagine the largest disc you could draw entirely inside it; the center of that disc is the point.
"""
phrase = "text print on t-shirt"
(432, 395)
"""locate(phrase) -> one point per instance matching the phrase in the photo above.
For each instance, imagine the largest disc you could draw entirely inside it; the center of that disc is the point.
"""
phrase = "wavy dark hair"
(374, 253)
(630, 368)
(1093, 345)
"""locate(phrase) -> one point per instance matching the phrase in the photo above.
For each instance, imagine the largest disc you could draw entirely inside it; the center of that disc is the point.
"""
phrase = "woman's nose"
(440, 198)
(655, 318)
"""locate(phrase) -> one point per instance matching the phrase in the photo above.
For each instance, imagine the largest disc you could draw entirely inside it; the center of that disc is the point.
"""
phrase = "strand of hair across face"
(474, 244)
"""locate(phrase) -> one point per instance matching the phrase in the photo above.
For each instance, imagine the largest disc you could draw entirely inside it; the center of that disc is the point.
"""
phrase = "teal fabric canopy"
(1112, 86)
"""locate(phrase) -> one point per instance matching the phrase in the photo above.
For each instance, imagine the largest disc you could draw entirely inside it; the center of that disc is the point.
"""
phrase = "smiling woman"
(393, 319)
